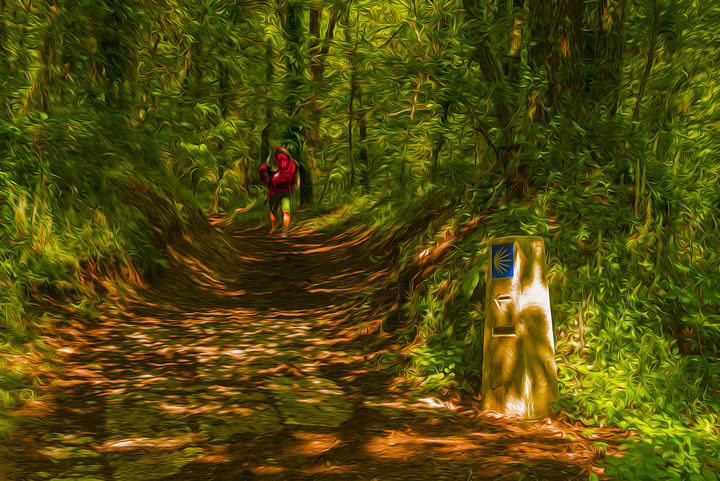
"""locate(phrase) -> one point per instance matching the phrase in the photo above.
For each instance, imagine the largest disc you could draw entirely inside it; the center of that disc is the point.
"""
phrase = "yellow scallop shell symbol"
(502, 261)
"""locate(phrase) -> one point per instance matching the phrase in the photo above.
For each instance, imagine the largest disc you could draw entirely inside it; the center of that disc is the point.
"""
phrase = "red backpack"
(284, 178)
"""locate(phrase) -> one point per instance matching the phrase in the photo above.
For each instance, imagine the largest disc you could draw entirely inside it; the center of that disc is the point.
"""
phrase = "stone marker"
(518, 372)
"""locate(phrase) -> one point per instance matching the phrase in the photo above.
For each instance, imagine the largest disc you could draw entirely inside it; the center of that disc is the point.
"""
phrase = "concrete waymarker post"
(519, 375)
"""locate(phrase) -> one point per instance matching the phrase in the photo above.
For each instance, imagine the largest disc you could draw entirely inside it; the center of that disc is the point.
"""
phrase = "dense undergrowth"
(635, 310)
(86, 215)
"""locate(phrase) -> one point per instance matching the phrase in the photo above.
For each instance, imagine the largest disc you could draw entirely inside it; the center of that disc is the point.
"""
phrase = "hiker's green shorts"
(278, 202)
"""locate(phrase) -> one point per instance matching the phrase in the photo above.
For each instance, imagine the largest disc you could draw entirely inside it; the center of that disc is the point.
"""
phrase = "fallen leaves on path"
(247, 366)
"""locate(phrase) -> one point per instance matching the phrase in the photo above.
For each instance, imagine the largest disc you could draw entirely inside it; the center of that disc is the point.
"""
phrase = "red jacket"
(283, 177)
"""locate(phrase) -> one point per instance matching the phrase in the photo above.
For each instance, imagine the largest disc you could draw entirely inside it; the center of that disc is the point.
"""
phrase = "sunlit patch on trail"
(148, 444)
(211, 458)
(313, 444)
(267, 469)
(401, 407)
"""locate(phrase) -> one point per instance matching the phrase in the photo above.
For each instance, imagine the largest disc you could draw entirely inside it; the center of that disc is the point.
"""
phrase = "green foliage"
(629, 212)
(123, 122)
(85, 191)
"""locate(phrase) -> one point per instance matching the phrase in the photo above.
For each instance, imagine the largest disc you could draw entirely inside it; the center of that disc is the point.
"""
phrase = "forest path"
(245, 366)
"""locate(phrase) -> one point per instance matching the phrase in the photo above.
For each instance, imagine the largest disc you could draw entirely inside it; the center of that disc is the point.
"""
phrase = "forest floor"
(245, 366)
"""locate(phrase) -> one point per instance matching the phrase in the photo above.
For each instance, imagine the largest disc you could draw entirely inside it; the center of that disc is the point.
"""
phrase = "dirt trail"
(246, 367)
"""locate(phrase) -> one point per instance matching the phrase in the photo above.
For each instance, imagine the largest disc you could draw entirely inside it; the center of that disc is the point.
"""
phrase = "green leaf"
(471, 282)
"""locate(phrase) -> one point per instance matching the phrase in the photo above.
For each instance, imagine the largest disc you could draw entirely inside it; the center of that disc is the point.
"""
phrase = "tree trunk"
(358, 115)
(572, 64)
(223, 90)
(119, 63)
(489, 66)
(516, 34)
(316, 63)
(508, 152)
(353, 92)
(5, 65)
(510, 13)
(294, 135)
(314, 50)
(556, 31)
(640, 169)
(266, 132)
(46, 82)
(318, 53)
(609, 52)
(650, 58)
(295, 63)
(440, 136)
(366, 171)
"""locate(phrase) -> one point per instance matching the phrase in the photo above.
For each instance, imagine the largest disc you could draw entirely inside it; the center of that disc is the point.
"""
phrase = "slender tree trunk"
(441, 73)
(572, 35)
(609, 52)
(556, 32)
(316, 63)
(440, 139)
(119, 60)
(265, 135)
(329, 35)
(357, 115)
(295, 64)
(4, 52)
(517, 181)
(650, 58)
(516, 34)
(366, 167)
(314, 52)
(192, 83)
(639, 168)
(402, 157)
(486, 59)
(510, 13)
(295, 95)
(220, 151)
(45, 83)
(224, 90)
(354, 93)
(294, 61)
(508, 152)
(540, 53)
(318, 53)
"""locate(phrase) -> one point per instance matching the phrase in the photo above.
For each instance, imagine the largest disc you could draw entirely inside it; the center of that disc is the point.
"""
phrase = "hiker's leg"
(285, 207)
(274, 204)
(286, 219)
(272, 222)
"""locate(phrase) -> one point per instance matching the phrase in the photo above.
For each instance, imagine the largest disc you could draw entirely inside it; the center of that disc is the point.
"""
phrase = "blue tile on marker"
(502, 260)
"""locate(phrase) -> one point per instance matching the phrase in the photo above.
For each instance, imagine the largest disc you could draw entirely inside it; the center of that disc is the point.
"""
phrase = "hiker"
(279, 180)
